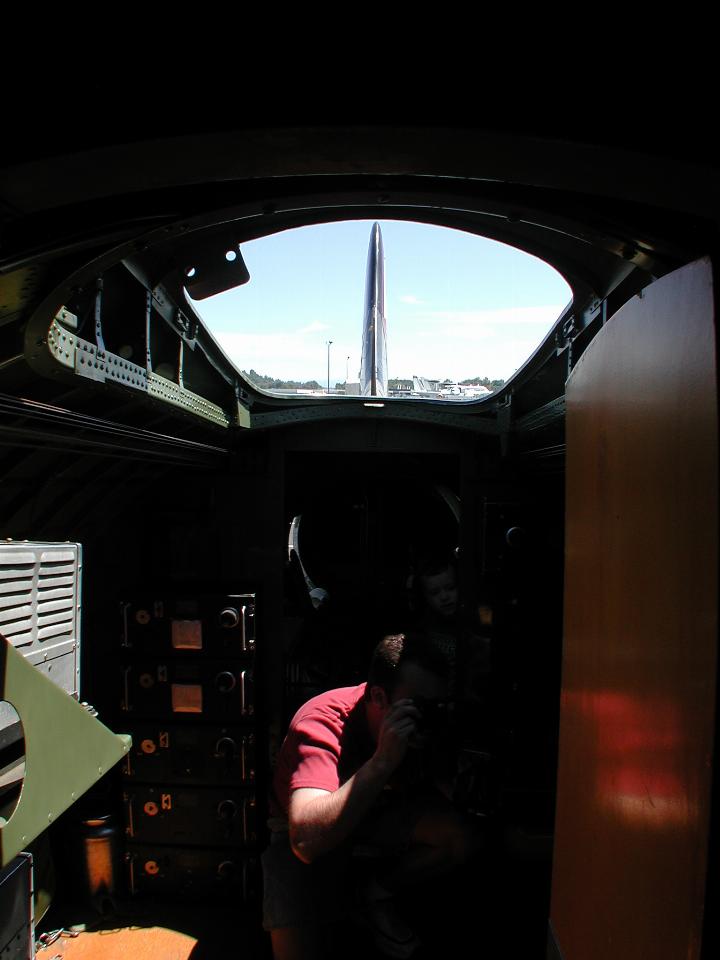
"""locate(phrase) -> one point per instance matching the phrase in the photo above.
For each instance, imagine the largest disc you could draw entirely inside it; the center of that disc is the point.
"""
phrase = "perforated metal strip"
(88, 361)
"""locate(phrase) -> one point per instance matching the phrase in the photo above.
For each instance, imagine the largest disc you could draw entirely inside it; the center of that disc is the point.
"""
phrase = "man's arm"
(320, 819)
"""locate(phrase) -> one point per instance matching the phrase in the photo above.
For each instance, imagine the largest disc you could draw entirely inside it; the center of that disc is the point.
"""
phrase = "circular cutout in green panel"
(12, 760)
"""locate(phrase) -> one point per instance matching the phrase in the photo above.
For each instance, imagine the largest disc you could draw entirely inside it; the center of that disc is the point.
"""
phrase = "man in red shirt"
(353, 774)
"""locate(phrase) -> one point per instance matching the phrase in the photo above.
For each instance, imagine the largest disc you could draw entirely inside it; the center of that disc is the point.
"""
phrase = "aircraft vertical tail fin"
(373, 366)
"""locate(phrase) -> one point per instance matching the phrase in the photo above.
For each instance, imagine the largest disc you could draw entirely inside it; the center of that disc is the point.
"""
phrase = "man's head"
(403, 666)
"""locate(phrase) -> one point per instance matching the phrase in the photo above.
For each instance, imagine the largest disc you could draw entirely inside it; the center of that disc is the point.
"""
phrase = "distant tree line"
(483, 382)
(271, 383)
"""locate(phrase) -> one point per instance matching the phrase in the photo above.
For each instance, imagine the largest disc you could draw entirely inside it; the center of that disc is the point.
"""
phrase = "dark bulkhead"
(125, 430)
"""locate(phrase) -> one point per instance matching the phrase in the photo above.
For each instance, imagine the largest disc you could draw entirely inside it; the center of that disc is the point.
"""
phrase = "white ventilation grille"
(40, 606)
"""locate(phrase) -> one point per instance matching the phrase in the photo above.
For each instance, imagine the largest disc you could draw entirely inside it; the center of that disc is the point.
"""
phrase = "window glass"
(462, 313)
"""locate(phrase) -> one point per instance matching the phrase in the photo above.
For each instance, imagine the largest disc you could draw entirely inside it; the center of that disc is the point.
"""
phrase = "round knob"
(226, 870)
(225, 681)
(227, 809)
(515, 536)
(229, 617)
(151, 867)
(226, 747)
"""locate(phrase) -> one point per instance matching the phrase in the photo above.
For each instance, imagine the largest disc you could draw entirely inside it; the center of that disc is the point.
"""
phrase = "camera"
(435, 714)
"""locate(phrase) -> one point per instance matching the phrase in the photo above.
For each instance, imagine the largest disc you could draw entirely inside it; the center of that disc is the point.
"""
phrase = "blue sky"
(457, 305)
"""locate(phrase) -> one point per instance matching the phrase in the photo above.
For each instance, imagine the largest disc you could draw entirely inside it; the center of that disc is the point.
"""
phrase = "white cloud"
(410, 299)
(457, 344)
(291, 356)
(463, 319)
(315, 327)
(465, 343)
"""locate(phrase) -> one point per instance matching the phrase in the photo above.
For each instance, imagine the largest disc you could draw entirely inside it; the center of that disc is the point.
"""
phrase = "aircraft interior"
(126, 430)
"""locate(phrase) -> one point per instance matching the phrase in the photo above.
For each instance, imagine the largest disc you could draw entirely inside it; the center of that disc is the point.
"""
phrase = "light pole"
(329, 344)
(347, 371)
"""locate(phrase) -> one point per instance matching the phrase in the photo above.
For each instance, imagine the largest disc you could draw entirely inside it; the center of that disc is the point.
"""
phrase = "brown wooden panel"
(639, 658)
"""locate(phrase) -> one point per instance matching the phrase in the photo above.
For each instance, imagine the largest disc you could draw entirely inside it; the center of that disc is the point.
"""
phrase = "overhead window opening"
(388, 308)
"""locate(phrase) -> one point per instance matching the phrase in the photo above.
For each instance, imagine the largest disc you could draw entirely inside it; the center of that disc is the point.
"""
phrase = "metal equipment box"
(210, 816)
(16, 909)
(214, 690)
(40, 607)
(196, 873)
(215, 626)
(190, 754)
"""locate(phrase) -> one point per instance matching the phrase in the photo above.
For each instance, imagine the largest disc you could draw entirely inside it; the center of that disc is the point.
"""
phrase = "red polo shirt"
(328, 741)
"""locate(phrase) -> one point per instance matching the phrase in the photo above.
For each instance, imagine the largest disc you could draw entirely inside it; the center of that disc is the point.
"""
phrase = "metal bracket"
(98, 316)
(88, 361)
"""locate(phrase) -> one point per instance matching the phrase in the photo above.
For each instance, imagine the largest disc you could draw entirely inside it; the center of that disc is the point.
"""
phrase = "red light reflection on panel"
(639, 757)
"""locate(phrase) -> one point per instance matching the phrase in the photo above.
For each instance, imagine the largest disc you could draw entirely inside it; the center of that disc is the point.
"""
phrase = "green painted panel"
(66, 750)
